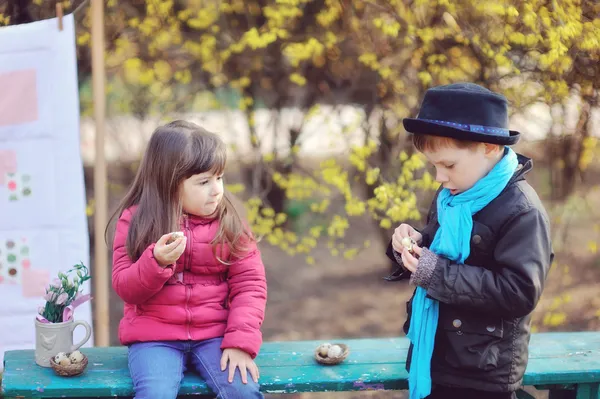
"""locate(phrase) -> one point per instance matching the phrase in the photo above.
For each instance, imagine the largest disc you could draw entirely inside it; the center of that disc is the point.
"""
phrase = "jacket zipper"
(188, 288)
(186, 265)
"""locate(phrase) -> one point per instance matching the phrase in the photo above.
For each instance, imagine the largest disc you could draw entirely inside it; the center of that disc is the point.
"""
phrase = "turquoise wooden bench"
(567, 364)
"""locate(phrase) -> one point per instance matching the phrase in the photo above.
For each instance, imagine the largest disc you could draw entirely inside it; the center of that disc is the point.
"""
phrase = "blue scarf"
(452, 241)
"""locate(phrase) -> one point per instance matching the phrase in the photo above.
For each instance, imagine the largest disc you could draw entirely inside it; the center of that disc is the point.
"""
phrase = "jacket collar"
(525, 166)
(196, 220)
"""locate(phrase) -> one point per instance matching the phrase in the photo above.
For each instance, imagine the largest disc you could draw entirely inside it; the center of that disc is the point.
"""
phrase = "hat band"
(492, 131)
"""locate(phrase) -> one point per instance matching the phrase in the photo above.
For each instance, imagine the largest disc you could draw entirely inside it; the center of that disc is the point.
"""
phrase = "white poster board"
(43, 225)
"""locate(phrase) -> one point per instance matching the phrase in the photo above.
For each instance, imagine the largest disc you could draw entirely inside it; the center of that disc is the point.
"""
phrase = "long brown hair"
(175, 152)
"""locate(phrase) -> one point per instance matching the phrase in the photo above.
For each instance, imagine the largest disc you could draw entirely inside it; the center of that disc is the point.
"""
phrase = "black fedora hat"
(464, 111)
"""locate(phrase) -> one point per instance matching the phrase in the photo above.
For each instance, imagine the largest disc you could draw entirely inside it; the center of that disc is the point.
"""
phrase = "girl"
(193, 299)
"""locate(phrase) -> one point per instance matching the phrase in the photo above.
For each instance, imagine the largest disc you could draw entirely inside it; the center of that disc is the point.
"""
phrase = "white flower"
(56, 283)
(48, 297)
(62, 298)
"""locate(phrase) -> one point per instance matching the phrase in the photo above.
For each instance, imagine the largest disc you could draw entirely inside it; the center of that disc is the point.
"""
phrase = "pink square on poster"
(8, 164)
(18, 97)
(34, 282)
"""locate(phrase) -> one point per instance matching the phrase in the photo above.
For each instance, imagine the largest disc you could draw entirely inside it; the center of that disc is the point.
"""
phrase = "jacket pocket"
(133, 314)
(482, 243)
(471, 342)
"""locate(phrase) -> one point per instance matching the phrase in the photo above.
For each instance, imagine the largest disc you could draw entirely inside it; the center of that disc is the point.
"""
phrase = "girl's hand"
(167, 254)
(410, 261)
(402, 231)
(237, 358)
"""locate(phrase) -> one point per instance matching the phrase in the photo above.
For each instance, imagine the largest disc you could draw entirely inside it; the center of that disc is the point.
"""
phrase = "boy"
(480, 262)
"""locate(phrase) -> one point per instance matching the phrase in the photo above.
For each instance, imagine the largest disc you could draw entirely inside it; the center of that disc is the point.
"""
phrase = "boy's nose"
(441, 178)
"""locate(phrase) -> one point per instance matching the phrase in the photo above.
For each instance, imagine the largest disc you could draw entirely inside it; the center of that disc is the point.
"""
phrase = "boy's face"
(202, 193)
(458, 169)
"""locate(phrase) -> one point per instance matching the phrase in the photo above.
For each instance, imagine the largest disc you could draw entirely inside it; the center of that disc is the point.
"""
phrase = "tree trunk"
(569, 149)
(18, 11)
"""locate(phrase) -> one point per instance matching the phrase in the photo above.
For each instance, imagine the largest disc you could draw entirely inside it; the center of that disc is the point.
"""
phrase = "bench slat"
(563, 358)
(289, 367)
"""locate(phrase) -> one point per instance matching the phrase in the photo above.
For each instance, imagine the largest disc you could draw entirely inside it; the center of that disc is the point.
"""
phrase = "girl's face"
(202, 193)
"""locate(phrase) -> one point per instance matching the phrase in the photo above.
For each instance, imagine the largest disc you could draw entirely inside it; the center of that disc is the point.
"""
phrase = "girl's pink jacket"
(198, 298)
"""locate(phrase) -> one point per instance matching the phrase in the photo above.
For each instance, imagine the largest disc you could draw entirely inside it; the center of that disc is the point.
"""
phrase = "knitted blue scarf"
(452, 241)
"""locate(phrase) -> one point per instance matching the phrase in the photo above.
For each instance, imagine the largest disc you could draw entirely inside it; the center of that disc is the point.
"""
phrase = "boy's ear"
(491, 149)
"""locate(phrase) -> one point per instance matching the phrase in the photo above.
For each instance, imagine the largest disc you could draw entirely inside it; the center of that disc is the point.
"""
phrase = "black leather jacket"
(485, 305)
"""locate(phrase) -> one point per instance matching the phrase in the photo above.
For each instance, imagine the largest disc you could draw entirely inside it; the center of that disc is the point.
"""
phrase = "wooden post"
(100, 277)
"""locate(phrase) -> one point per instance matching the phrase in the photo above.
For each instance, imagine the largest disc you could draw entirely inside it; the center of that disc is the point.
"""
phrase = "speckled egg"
(76, 357)
(334, 351)
(60, 356)
(64, 361)
(324, 349)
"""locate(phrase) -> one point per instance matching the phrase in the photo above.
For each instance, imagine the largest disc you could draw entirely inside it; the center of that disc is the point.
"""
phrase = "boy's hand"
(410, 261)
(237, 358)
(402, 231)
(167, 254)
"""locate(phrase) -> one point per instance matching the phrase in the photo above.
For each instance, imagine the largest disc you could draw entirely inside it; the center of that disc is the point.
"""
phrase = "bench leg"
(581, 391)
(587, 391)
(562, 394)
(522, 394)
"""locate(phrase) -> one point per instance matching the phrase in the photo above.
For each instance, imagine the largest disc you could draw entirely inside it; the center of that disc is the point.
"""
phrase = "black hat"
(464, 111)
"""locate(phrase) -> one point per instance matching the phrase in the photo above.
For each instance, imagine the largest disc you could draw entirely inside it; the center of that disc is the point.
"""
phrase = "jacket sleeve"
(135, 282)
(523, 255)
(247, 302)
(401, 273)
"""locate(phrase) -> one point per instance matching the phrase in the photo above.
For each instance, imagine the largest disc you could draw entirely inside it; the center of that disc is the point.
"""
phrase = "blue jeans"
(157, 369)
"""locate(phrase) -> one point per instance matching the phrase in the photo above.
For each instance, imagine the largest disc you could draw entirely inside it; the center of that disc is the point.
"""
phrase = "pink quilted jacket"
(198, 299)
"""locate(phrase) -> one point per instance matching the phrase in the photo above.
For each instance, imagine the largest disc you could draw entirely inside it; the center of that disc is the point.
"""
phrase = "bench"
(567, 364)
